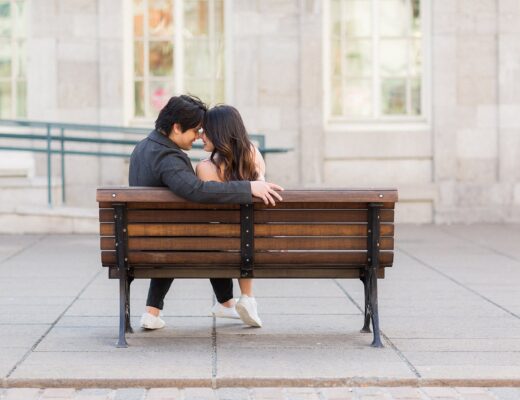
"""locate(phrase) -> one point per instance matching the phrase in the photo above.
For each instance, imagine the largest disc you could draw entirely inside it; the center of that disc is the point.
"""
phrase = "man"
(159, 160)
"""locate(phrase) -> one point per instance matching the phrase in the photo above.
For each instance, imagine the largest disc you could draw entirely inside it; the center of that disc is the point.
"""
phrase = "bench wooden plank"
(280, 243)
(261, 258)
(152, 195)
(229, 230)
(193, 273)
(230, 216)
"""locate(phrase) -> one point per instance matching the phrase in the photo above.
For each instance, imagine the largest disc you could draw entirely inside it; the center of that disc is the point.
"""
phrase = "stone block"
(414, 212)
(477, 144)
(22, 394)
(164, 394)
(245, 83)
(199, 394)
(283, 7)
(130, 394)
(481, 170)
(78, 84)
(77, 7)
(445, 17)
(509, 155)
(477, 16)
(374, 172)
(58, 393)
(476, 56)
(400, 144)
(278, 68)
(472, 91)
(85, 50)
(509, 68)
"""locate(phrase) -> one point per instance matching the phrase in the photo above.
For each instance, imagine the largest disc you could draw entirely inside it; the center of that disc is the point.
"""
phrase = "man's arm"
(180, 179)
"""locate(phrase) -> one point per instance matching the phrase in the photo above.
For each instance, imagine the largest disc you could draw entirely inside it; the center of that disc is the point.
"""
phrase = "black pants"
(223, 288)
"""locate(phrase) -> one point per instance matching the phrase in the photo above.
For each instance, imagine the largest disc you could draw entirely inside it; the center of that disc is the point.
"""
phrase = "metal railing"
(51, 138)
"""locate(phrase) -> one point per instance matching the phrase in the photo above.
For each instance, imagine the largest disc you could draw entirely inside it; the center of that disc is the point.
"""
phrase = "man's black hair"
(186, 110)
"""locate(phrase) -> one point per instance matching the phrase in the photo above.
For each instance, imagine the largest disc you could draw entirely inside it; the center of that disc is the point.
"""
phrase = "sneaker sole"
(225, 316)
(246, 318)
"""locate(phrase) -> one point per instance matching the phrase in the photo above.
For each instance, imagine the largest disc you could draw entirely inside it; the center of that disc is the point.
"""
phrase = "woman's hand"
(266, 191)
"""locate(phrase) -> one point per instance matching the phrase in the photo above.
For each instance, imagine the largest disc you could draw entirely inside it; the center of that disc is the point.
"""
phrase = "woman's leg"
(246, 286)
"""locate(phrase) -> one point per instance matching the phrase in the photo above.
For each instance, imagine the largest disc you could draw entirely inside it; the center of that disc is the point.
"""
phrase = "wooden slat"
(182, 272)
(222, 230)
(318, 230)
(261, 259)
(258, 206)
(228, 230)
(180, 257)
(178, 216)
(321, 216)
(319, 243)
(280, 243)
(299, 258)
(263, 216)
(319, 206)
(107, 229)
(158, 195)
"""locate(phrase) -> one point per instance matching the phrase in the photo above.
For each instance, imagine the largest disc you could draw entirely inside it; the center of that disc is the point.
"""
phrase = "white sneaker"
(247, 309)
(149, 321)
(219, 311)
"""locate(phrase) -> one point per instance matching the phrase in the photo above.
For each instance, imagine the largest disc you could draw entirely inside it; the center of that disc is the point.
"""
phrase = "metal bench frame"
(119, 197)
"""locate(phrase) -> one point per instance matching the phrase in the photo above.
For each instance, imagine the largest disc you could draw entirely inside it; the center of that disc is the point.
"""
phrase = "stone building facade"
(459, 162)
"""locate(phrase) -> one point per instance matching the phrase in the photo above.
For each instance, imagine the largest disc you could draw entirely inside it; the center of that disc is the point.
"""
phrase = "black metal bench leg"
(128, 325)
(366, 325)
(123, 301)
(372, 283)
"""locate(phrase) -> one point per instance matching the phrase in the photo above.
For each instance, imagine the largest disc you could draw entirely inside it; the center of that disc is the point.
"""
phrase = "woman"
(233, 158)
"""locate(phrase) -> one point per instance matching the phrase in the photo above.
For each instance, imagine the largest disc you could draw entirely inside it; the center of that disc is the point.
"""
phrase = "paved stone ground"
(273, 393)
(450, 315)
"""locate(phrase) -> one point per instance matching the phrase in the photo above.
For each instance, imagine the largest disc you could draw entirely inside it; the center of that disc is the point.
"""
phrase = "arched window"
(179, 47)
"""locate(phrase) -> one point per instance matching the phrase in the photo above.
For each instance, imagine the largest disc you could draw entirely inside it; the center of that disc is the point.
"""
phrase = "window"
(375, 54)
(13, 77)
(178, 48)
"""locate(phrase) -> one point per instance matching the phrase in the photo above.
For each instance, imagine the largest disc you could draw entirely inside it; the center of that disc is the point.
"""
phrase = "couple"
(233, 174)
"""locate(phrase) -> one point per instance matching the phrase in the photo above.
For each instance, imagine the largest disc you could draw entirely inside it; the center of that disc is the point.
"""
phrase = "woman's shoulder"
(206, 170)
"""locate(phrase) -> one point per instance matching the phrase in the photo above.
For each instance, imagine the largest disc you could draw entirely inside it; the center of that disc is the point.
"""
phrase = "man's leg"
(156, 293)
(223, 288)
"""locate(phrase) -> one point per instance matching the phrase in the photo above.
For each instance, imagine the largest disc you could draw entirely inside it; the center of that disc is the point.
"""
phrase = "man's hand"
(266, 191)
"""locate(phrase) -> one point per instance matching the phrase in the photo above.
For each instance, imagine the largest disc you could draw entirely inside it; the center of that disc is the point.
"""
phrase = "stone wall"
(461, 166)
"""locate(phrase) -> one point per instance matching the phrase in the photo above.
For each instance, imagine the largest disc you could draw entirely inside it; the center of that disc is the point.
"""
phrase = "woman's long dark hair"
(233, 153)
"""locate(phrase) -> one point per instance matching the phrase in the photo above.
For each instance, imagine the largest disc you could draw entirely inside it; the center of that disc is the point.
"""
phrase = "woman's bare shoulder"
(207, 171)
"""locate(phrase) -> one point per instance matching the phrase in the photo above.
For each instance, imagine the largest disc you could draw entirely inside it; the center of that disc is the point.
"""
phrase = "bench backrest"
(311, 234)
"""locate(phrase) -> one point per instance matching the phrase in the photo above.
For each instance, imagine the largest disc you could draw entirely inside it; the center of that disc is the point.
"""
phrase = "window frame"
(15, 54)
(178, 60)
(378, 122)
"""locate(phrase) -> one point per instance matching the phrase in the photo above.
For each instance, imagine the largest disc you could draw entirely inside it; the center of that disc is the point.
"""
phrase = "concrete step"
(26, 191)
(16, 164)
(43, 219)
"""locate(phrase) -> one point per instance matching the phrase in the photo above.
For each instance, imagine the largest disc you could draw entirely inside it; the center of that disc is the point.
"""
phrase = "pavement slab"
(449, 312)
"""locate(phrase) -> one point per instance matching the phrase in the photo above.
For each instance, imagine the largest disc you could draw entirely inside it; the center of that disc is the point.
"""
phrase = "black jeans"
(223, 288)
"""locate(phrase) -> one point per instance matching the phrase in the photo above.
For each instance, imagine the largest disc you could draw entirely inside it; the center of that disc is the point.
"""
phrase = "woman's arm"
(260, 164)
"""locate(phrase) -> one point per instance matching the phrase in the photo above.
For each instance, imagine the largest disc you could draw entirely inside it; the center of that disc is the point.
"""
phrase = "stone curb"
(253, 382)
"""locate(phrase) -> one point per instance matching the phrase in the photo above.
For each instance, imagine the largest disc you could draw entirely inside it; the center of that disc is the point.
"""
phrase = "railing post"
(49, 167)
(62, 155)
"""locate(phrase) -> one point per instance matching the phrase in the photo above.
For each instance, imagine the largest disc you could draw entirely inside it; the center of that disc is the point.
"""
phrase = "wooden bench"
(151, 233)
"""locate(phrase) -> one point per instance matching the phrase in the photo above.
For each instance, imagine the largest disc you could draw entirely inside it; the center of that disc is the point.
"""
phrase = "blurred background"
(422, 95)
